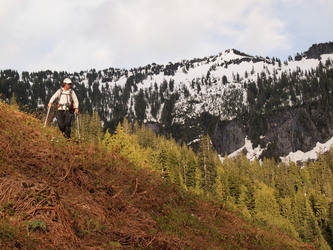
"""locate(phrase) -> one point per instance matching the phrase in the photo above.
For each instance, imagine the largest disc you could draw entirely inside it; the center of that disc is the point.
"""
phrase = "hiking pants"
(64, 118)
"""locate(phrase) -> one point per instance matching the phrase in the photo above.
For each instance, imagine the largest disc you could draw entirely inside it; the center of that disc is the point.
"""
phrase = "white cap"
(67, 80)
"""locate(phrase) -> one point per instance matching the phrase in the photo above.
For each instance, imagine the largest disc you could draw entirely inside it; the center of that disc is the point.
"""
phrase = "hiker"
(67, 105)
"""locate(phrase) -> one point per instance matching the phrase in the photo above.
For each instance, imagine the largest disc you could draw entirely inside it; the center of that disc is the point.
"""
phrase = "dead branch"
(136, 186)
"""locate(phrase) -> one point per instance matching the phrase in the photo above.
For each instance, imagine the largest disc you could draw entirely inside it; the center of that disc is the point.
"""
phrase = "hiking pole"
(47, 116)
(78, 126)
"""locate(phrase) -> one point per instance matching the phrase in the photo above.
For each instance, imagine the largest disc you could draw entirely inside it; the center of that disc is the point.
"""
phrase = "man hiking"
(68, 104)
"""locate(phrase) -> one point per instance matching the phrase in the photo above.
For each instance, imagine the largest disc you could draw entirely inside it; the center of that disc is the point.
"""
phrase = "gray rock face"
(318, 49)
(292, 130)
(228, 137)
(286, 131)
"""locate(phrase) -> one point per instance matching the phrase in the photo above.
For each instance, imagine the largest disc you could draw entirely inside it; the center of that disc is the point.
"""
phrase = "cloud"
(77, 35)
(171, 29)
(263, 33)
(327, 3)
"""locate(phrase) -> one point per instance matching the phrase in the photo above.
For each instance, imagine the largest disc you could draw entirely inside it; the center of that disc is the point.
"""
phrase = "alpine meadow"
(230, 151)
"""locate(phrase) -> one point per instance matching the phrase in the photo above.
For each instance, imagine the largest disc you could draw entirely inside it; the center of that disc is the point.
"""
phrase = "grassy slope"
(59, 194)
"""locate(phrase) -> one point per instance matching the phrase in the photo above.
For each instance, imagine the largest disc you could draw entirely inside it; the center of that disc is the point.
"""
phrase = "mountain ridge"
(190, 98)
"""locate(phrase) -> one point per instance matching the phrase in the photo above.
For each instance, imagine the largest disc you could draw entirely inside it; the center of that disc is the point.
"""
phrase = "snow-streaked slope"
(250, 152)
(298, 156)
(216, 85)
(202, 88)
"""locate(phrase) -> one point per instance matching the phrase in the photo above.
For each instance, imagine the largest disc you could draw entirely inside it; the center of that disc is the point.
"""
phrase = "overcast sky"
(75, 35)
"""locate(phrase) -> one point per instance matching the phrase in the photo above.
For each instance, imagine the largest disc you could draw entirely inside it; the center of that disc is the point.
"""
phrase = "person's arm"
(76, 102)
(55, 96)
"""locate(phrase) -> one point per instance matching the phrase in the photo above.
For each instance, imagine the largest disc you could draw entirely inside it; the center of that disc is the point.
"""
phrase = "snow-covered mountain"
(243, 102)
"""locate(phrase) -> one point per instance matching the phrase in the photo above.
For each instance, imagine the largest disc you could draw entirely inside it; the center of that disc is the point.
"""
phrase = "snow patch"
(251, 153)
(298, 156)
(309, 155)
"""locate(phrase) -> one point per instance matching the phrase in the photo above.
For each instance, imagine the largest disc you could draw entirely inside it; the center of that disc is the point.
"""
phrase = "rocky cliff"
(277, 134)
(319, 49)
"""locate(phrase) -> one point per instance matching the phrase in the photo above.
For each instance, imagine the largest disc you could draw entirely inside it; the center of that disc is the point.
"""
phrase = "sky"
(75, 35)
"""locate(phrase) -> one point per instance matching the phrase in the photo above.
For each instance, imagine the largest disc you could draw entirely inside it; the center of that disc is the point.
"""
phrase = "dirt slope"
(57, 194)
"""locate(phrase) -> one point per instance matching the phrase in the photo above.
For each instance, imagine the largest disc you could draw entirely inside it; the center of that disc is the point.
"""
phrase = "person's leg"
(61, 120)
(68, 124)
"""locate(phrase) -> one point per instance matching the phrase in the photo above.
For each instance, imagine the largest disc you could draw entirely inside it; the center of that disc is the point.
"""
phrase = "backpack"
(69, 104)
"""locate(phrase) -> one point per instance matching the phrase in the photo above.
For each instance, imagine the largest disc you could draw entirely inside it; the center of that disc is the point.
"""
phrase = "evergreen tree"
(206, 165)
(90, 127)
(12, 100)
(140, 106)
(189, 164)
(126, 145)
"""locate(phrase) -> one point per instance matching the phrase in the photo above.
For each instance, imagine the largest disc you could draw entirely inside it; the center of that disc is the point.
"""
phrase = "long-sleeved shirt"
(65, 98)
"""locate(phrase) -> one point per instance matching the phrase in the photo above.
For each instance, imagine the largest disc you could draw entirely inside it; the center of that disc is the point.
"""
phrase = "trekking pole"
(78, 126)
(47, 116)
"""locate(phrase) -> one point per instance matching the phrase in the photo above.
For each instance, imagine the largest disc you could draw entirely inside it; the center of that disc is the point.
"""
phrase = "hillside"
(60, 194)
